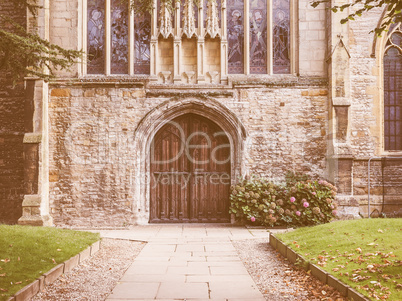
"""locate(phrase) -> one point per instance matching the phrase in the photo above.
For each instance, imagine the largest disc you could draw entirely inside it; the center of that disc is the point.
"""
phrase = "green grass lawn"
(365, 254)
(28, 252)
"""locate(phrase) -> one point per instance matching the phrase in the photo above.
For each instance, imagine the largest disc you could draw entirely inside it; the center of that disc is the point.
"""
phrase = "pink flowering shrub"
(299, 202)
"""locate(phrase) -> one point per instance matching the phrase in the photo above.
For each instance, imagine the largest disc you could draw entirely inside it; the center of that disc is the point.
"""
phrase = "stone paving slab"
(192, 299)
(187, 262)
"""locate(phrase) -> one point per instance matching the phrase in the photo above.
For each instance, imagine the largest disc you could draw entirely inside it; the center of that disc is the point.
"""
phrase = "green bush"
(298, 202)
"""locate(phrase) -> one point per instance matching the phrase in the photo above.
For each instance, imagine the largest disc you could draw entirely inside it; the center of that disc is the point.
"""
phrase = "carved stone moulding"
(165, 21)
(189, 28)
(212, 22)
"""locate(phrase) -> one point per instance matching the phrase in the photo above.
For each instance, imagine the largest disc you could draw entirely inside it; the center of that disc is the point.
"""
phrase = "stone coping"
(316, 271)
(47, 278)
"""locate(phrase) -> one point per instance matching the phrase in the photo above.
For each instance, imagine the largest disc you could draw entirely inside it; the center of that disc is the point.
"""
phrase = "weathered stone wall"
(11, 133)
(365, 135)
(365, 119)
(165, 51)
(213, 55)
(93, 155)
(65, 29)
(312, 44)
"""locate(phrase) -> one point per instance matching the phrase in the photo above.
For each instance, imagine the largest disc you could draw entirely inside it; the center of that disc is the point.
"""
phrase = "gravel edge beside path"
(277, 278)
(96, 277)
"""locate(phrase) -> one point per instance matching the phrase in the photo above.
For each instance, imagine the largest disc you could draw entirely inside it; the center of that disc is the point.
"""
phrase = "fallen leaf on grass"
(3, 290)
(54, 261)
(5, 260)
(3, 275)
(380, 231)
(19, 282)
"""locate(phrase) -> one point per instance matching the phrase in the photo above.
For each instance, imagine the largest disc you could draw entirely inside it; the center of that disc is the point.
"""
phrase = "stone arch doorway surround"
(157, 118)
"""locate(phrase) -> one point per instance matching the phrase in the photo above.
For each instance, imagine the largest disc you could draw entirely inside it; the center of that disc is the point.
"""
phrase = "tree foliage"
(393, 13)
(24, 53)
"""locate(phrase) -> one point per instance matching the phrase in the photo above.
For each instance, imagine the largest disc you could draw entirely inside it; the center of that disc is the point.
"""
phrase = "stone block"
(353, 295)
(54, 273)
(27, 292)
(31, 200)
(338, 285)
(84, 255)
(71, 263)
(318, 273)
(32, 138)
(95, 247)
(89, 93)
(281, 247)
(138, 93)
(41, 280)
(302, 262)
(291, 255)
(272, 240)
(60, 92)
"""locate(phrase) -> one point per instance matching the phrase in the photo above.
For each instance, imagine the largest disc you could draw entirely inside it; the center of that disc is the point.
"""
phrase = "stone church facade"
(215, 92)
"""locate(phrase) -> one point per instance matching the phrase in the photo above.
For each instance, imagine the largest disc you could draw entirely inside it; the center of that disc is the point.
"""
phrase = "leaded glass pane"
(235, 25)
(281, 36)
(396, 39)
(393, 99)
(258, 36)
(96, 37)
(142, 37)
(119, 37)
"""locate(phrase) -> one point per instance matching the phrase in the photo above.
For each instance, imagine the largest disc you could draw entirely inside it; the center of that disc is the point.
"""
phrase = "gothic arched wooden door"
(190, 172)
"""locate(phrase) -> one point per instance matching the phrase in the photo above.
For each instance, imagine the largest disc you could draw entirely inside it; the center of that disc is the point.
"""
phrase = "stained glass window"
(142, 36)
(235, 27)
(258, 36)
(96, 37)
(393, 99)
(281, 36)
(119, 37)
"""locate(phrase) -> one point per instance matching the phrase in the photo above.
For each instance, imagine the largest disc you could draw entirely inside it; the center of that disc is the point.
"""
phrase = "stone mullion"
(177, 44)
(246, 37)
(293, 36)
(82, 42)
(108, 38)
(224, 44)
(269, 38)
(154, 43)
(131, 42)
(201, 44)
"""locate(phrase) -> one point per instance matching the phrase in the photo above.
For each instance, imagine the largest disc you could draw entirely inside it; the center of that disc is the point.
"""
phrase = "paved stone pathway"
(187, 262)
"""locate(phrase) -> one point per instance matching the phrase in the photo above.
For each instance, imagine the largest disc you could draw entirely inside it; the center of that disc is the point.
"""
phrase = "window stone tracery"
(393, 90)
(226, 37)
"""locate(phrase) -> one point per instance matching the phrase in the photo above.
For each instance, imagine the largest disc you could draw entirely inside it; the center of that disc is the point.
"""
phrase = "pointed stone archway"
(156, 119)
